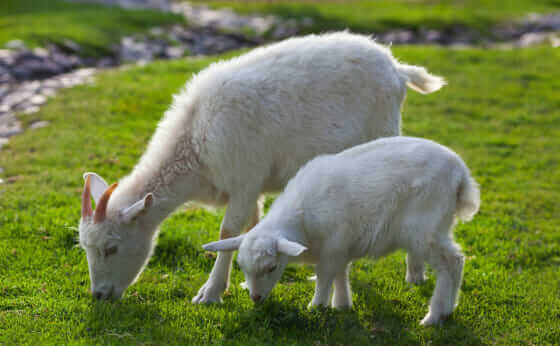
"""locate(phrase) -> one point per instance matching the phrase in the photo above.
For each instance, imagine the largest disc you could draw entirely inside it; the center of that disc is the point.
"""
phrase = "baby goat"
(241, 128)
(370, 200)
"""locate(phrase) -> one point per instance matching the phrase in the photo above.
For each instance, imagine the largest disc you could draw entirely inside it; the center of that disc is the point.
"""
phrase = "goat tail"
(419, 79)
(468, 199)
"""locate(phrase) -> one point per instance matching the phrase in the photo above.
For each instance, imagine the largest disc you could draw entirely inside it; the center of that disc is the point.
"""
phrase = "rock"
(5, 75)
(175, 52)
(1, 169)
(71, 46)
(16, 97)
(10, 130)
(157, 31)
(532, 38)
(31, 110)
(105, 62)
(48, 92)
(3, 141)
(3, 91)
(131, 50)
(39, 124)
(38, 99)
(307, 21)
(30, 86)
(15, 45)
(42, 52)
(433, 36)
(398, 36)
(31, 66)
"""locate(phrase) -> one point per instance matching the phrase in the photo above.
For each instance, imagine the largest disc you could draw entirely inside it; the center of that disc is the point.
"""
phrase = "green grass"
(95, 27)
(500, 111)
(383, 15)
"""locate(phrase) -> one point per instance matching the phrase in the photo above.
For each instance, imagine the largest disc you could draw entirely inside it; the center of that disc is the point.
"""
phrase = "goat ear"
(290, 248)
(134, 210)
(98, 185)
(229, 244)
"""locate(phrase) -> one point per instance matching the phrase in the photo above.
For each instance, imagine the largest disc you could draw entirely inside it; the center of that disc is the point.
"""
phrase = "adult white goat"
(239, 129)
(369, 200)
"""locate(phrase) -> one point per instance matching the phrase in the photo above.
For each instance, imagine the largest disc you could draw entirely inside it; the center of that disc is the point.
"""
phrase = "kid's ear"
(97, 185)
(230, 244)
(137, 208)
(290, 248)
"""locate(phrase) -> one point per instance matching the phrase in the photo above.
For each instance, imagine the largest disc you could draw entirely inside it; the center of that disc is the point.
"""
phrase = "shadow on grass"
(392, 327)
(276, 322)
(130, 323)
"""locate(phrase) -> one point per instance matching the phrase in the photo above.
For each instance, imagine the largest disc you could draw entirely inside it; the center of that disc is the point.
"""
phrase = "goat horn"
(86, 200)
(101, 208)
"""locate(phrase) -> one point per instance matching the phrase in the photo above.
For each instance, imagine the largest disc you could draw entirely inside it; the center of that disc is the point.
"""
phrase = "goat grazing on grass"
(239, 129)
(392, 193)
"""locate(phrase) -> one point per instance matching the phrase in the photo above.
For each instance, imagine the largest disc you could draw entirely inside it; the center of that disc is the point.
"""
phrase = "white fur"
(392, 193)
(243, 127)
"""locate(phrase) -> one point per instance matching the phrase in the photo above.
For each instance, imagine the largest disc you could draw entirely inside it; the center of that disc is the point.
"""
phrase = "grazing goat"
(239, 129)
(370, 200)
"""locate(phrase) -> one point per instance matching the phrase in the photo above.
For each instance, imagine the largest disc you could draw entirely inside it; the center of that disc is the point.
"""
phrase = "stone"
(433, 36)
(3, 91)
(15, 45)
(48, 92)
(532, 38)
(307, 21)
(42, 52)
(398, 36)
(71, 46)
(16, 97)
(34, 67)
(157, 31)
(31, 110)
(66, 62)
(7, 56)
(131, 50)
(175, 52)
(30, 86)
(10, 130)
(38, 99)
(39, 124)
(105, 62)
(5, 75)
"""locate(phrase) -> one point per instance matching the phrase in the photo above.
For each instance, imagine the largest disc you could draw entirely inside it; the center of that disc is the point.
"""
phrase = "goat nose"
(256, 298)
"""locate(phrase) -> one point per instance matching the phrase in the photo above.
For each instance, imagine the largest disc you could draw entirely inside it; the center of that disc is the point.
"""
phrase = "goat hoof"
(432, 320)
(416, 279)
(207, 295)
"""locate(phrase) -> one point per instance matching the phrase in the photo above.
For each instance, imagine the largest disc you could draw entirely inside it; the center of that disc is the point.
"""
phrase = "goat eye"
(272, 269)
(110, 250)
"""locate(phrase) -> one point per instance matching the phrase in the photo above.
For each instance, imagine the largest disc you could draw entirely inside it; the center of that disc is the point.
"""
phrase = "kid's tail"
(468, 199)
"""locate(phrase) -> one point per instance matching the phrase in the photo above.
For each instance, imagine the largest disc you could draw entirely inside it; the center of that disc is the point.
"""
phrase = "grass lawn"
(93, 26)
(382, 15)
(500, 111)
